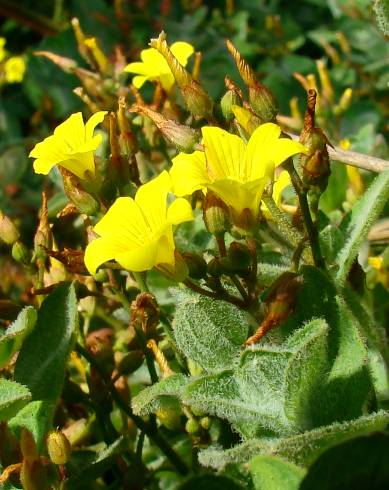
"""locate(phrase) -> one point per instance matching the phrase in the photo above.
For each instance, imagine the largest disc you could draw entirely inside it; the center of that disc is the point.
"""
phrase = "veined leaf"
(273, 473)
(13, 397)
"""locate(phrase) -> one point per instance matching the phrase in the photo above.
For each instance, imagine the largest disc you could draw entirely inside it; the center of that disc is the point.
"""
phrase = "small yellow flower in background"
(3, 52)
(237, 173)
(382, 273)
(15, 68)
(71, 146)
(138, 233)
(154, 66)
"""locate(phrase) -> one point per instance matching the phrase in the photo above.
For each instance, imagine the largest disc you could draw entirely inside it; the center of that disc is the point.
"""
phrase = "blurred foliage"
(338, 47)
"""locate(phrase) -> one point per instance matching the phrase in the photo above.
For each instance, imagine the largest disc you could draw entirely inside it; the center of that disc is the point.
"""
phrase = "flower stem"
(143, 426)
(310, 227)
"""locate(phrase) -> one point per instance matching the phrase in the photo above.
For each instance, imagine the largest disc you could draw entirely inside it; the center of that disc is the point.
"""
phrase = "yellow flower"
(154, 66)
(235, 172)
(71, 146)
(280, 183)
(138, 233)
(15, 68)
(3, 52)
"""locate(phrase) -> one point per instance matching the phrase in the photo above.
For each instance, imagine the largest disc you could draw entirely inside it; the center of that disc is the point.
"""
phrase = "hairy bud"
(216, 214)
(8, 231)
(58, 447)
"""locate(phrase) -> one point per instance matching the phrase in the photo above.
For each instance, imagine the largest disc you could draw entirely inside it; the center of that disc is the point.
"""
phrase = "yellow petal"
(182, 51)
(124, 219)
(286, 148)
(188, 173)
(71, 131)
(280, 184)
(224, 153)
(151, 198)
(93, 121)
(159, 251)
(99, 251)
(154, 61)
(179, 211)
(80, 163)
(259, 151)
(137, 67)
(138, 81)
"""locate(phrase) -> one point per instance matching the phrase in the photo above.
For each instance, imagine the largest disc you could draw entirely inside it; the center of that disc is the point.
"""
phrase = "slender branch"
(310, 227)
(354, 159)
(155, 436)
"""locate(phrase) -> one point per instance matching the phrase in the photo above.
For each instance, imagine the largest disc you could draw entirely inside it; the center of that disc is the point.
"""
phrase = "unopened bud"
(261, 99)
(315, 163)
(196, 99)
(239, 256)
(43, 238)
(80, 38)
(8, 231)
(168, 414)
(130, 362)
(196, 265)
(21, 253)
(183, 137)
(344, 102)
(84, 202)
(145, 314)
(97, 54)
(192, 426)
(227, 102)
(66, 64)
(58, 447)
(99, 344)
(327, 89)
(205, 422)
(216, 214)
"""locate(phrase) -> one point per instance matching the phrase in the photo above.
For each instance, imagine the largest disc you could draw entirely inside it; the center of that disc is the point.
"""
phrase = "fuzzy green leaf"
(209, 482)
(37, 417)
(273, 473)
(363, 215)
(12, 339)
(13, 397)
(257, 397)
(42, 359)
(147, 401)
(210, 332)
(301, 449)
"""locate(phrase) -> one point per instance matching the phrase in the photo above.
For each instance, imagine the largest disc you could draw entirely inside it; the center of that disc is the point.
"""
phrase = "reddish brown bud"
(145, 314)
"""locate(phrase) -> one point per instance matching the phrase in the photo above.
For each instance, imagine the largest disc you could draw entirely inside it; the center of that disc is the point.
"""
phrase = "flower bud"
(8, 231)
(261, 99)
(192, 426)
(99, 344)
(97, 55)
(21, 253)
(205, 422)
(145, 314)
(58, 447)
(80, 38)
(216, 214)
(130, 362)
(168, 413)
(196, 265)
(196, 99)
(66, 64)
(315, 163)
(344, 102)
(239, 256)
(183, 137)
(43, 238)
(229, 99)
(84, 202)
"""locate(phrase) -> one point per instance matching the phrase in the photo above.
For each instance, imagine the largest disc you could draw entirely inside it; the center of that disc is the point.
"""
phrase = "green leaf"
(273, 473)
(37, 417)
(147, 401)
(305, 373)
(13, 397)
(209, 332)
(301, 449)
(357, 464)
(14, 336)
(42, 359)
(270, 391)
(363, 215)
(86, 473)
(209, 482)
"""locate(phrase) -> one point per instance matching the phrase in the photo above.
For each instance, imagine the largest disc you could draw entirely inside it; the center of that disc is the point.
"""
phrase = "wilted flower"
(138, 233)
(154, 66)
(237, 173)
(71, 146)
